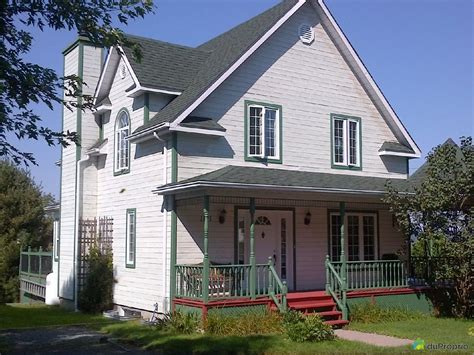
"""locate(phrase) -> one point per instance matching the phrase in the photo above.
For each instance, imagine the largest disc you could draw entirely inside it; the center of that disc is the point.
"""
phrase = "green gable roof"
(224, 51)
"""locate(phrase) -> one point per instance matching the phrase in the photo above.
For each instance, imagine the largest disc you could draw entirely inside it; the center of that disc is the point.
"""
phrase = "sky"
(420, 53)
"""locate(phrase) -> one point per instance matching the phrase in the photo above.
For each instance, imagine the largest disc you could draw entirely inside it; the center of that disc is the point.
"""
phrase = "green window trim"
(126, 170)
(263, 159)
(346, 165)
(130, 262)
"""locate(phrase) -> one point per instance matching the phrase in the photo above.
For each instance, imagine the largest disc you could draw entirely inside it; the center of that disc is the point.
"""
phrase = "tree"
(22, 223)
(23, 83)
(438, 216)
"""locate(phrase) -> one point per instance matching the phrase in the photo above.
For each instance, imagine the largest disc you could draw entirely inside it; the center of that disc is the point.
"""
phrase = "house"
(232, 173)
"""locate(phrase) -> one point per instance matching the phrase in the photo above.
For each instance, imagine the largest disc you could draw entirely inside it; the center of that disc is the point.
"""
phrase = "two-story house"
(246, 172)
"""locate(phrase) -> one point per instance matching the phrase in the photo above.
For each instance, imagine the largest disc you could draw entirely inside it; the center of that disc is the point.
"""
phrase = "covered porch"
(265, 245)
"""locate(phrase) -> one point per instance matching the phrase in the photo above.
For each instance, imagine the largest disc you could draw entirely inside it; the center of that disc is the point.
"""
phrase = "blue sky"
(420, 53)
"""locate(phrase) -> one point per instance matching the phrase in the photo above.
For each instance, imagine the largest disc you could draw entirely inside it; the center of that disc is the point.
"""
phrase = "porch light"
(222, 216)
(307, 218)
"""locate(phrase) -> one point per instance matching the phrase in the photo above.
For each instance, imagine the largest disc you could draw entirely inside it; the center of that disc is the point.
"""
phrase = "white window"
(56, 239)
(360, 236)
(263, 131)
(346, 144)
(131, 237)
(122, 145)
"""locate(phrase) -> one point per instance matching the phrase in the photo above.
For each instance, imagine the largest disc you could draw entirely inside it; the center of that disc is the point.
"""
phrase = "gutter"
(207, 184)
(143, 135)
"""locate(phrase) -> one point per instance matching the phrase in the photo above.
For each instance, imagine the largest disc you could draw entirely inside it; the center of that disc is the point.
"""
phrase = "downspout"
(77, 241)
(165, 304)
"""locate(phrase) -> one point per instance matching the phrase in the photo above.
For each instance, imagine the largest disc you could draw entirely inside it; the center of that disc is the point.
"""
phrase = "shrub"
(179, 322)
(97, 293)
(372, 313)
(311, 327)
(245, 324)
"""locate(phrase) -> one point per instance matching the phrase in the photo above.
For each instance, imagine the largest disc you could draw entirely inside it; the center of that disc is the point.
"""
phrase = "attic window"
(123, 71)
(306, 33)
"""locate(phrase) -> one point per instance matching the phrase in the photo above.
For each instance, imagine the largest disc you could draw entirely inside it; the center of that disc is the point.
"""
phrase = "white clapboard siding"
(142, 286)
(310, 82)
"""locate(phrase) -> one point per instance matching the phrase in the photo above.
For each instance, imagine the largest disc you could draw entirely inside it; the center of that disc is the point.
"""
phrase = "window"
(360, 236)
(346, 142)
(131, 238)
(56, 239)
(262, 221)
(283, 248)
(263, 132)
(122, 145)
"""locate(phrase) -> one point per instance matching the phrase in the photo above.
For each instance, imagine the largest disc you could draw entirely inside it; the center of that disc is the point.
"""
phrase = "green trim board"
(130, 212)
(413, 301)
(174, 216)
(332, 117)
(247, 104)
(127, 170)
(146, 107)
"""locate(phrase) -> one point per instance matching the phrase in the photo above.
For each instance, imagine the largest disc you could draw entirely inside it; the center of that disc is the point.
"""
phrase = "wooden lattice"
(93, 232)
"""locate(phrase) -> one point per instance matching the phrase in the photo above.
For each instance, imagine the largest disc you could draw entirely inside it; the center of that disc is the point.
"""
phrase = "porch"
(35, 265)
(280, 246)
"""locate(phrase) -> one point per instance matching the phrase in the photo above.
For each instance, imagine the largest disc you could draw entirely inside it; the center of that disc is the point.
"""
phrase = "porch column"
(253, 268)
(342, 213)
(205, 262)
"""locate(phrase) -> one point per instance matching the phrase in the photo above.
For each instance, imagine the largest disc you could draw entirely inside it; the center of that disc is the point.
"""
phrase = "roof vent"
(123, 71)
(306, 33)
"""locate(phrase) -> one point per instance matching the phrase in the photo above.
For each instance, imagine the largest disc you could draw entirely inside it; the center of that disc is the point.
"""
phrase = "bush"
(245, 324)
(97, 294)
(372, 313)
(179, 323)
(311, 327)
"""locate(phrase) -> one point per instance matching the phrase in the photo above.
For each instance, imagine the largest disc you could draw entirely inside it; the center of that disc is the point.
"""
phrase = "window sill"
(264, 160)
(122, 172)
(130, 266)
(346, 167)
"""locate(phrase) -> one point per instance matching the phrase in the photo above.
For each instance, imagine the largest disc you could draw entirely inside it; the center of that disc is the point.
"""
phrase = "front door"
(273, 238)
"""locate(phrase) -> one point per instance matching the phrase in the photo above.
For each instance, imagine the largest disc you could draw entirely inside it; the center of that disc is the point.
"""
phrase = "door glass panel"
(369, 237)
(353, 236)
(240, 242)
(335, 237)
(283, 260)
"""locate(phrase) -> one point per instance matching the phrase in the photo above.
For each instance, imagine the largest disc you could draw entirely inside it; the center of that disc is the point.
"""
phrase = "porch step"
(312, 305)
(330, 314)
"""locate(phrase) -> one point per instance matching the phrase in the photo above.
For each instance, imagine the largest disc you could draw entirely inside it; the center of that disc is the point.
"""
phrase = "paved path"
(63, 340)
(372, 339)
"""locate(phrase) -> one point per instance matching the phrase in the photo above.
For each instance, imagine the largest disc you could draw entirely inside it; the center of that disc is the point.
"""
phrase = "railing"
(34, 267)
(336, 285)
(375, 274)
(230, 281)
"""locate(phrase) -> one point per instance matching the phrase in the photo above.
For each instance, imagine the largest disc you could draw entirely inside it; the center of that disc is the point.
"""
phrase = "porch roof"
(238, 177)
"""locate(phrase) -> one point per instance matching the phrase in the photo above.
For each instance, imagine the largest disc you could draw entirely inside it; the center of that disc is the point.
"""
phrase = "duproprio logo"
(418, 344)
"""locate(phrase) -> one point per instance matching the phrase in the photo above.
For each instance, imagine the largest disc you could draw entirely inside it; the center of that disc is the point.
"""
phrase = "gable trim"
(237, 64)
(386, 105)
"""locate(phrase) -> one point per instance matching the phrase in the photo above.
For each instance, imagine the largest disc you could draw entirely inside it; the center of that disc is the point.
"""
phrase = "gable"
(310, 82)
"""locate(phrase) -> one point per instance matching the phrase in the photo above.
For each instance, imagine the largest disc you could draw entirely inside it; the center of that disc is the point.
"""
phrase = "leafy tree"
(438, 217)
(23, 83)
(22, 223)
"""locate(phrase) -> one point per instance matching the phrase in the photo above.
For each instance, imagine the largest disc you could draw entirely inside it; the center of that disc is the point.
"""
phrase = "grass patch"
(243, 325)
(17, 316)
(152, 338)
(430, 329)
(372, 313)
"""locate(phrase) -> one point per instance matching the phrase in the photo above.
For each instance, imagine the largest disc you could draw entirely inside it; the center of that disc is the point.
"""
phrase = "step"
(337, 323)
(310, 300)
(305, 295)
(311, 305)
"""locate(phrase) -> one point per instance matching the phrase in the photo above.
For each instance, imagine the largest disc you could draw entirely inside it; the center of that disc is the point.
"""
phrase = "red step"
(330, 314)
(311, 305)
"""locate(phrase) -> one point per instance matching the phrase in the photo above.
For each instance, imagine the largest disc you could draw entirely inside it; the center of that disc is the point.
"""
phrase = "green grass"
(17, 316)
(152, 339)
(430, 329)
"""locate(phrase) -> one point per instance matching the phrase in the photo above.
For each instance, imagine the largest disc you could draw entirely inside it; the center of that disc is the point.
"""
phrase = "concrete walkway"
(372, 339)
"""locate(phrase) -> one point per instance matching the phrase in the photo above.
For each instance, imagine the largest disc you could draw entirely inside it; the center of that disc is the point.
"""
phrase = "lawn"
(431, 330)
(152, 339)
(17, 316)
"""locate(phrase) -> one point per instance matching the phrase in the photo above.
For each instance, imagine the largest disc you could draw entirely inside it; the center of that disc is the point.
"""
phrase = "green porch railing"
(34, 267)
(336, 286)
(229, 282)
(372, 274)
